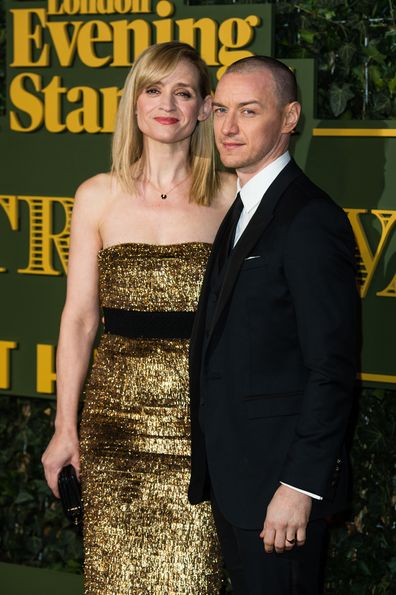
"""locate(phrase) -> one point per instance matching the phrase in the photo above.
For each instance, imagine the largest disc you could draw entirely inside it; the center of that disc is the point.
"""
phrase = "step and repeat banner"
(66, 63)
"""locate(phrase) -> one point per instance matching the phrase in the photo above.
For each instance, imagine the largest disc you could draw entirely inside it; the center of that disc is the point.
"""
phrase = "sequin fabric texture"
(141, 536)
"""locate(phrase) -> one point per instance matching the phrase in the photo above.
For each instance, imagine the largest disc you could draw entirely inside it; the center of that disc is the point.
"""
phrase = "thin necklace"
(164, 195)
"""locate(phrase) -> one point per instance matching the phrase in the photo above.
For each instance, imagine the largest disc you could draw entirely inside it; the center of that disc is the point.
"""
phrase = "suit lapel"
(200, 317)
(251, 235)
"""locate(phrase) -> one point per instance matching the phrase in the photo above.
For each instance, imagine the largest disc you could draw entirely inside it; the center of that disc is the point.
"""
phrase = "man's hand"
(286, 520)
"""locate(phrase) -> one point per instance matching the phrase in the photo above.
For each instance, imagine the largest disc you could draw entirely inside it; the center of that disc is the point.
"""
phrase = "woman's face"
(168, 110)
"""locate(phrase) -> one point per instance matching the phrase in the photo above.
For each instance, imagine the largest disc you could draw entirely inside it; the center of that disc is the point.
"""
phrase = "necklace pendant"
(163, 196)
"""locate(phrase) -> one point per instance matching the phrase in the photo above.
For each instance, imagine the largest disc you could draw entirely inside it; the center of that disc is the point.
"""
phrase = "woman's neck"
(165, 164)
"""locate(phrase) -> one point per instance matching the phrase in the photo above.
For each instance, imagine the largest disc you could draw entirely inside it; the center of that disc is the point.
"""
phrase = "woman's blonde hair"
(155, 63)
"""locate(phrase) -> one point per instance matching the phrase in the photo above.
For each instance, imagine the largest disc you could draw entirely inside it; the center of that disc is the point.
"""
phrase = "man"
(273, 346)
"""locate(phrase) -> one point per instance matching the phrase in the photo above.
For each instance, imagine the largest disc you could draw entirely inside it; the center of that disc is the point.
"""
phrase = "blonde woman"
(140, 239)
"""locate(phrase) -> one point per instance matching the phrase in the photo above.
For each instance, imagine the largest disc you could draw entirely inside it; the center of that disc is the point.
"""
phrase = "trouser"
(254, 572)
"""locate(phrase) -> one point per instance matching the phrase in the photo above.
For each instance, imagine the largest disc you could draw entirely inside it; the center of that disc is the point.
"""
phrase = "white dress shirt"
(251, 194)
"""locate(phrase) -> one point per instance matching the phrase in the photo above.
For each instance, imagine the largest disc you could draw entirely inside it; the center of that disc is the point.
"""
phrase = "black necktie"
(229, 236)
(223, 254)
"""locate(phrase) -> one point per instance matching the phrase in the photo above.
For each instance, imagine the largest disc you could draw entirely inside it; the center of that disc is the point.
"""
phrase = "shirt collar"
(252, 192)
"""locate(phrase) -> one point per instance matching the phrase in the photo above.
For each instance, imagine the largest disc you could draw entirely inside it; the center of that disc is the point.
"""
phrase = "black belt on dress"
(148, 325)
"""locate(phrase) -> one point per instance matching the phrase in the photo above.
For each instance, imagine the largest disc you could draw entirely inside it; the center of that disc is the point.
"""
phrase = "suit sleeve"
(320, 272)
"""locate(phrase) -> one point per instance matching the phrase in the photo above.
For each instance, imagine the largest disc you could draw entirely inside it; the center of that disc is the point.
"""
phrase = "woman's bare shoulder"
(94, 195)
(97, 187)
(227, 190)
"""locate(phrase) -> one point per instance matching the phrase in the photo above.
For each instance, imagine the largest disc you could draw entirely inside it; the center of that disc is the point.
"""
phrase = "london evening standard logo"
(66, 41)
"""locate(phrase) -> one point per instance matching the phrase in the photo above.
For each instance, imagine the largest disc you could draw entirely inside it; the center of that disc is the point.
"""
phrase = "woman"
(140, 240)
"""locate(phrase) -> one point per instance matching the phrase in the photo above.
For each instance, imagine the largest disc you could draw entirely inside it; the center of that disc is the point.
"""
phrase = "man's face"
(251, 127)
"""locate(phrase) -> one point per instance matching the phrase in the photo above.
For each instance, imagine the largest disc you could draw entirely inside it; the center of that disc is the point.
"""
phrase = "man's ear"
(206, 108)
(292, 113)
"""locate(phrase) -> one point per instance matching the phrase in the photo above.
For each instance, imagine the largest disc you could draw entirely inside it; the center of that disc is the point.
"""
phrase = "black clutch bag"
(70, 493)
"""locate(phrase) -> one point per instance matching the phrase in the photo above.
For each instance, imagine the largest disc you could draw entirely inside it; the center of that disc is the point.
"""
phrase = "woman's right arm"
(79, 324)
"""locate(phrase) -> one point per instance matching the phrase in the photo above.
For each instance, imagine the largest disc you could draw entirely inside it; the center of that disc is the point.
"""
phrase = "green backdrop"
(44, 162)
(60, 93)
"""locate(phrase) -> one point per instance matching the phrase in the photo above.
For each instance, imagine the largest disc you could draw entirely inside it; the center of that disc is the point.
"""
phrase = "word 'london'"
(42, 40)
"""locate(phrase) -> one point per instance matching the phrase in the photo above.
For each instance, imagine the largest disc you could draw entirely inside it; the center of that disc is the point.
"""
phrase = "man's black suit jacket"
(272, 356)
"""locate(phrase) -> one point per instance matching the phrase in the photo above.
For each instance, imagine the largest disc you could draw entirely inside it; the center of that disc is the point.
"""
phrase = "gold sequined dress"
(141, 536)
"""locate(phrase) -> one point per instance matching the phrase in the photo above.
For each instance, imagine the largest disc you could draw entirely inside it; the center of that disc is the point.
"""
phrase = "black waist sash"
(148, 325)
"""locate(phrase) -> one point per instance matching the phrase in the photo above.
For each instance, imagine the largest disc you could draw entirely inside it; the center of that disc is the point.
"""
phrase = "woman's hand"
(63, 449)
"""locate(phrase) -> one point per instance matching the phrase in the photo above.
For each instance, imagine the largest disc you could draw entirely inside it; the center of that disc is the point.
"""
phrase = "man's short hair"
(284, 78)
